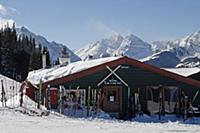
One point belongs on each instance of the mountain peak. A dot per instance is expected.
(195, 34)
(116, 37)
(132, 37)
(23, 29)
(53, 47)
(117, 44)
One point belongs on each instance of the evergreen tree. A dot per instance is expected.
(19, 55)
(35, 59)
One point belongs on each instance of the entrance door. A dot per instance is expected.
(112, 102)
(54, 98)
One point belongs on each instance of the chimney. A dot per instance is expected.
(89, 57)
(44, 61)
(64, 58)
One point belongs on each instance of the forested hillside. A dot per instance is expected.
(18, 55)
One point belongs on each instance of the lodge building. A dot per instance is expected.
(119, 86)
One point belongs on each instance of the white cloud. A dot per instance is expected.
(101, 28)
(5, 11)
(4, 22)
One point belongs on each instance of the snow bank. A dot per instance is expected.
(28, 103)
(29, 107)
(8, 85)
(12, 88)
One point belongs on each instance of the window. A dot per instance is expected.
(111, 96)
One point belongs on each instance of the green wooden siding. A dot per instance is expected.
(136, 78)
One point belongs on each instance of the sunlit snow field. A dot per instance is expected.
(16, 122)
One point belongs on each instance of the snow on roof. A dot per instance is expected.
(183, 71)
(153, 56)
(58, 72)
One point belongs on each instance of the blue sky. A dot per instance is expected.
(79, 22)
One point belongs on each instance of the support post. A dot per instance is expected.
(128, 91)
(2, 94)
(185, 108)
(11, 101)
(21, 95)
(160, 102)
(40, 94)
(139, 108)
(97, 101)
(60, 100)
(48, 98)
(88, 100)
(24, 93)
(163, 101)
(13, 95)
(93, 99)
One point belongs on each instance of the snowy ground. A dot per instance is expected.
(14, 121)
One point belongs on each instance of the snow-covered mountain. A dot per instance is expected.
(165, 59)
(190, 62)
(183, 47)
(53, 47)
(182, 52)
(187, 49)
(116, 45)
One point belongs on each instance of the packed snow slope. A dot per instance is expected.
(53, 47)
(116, 45)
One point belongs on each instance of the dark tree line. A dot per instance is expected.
(19, 55)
